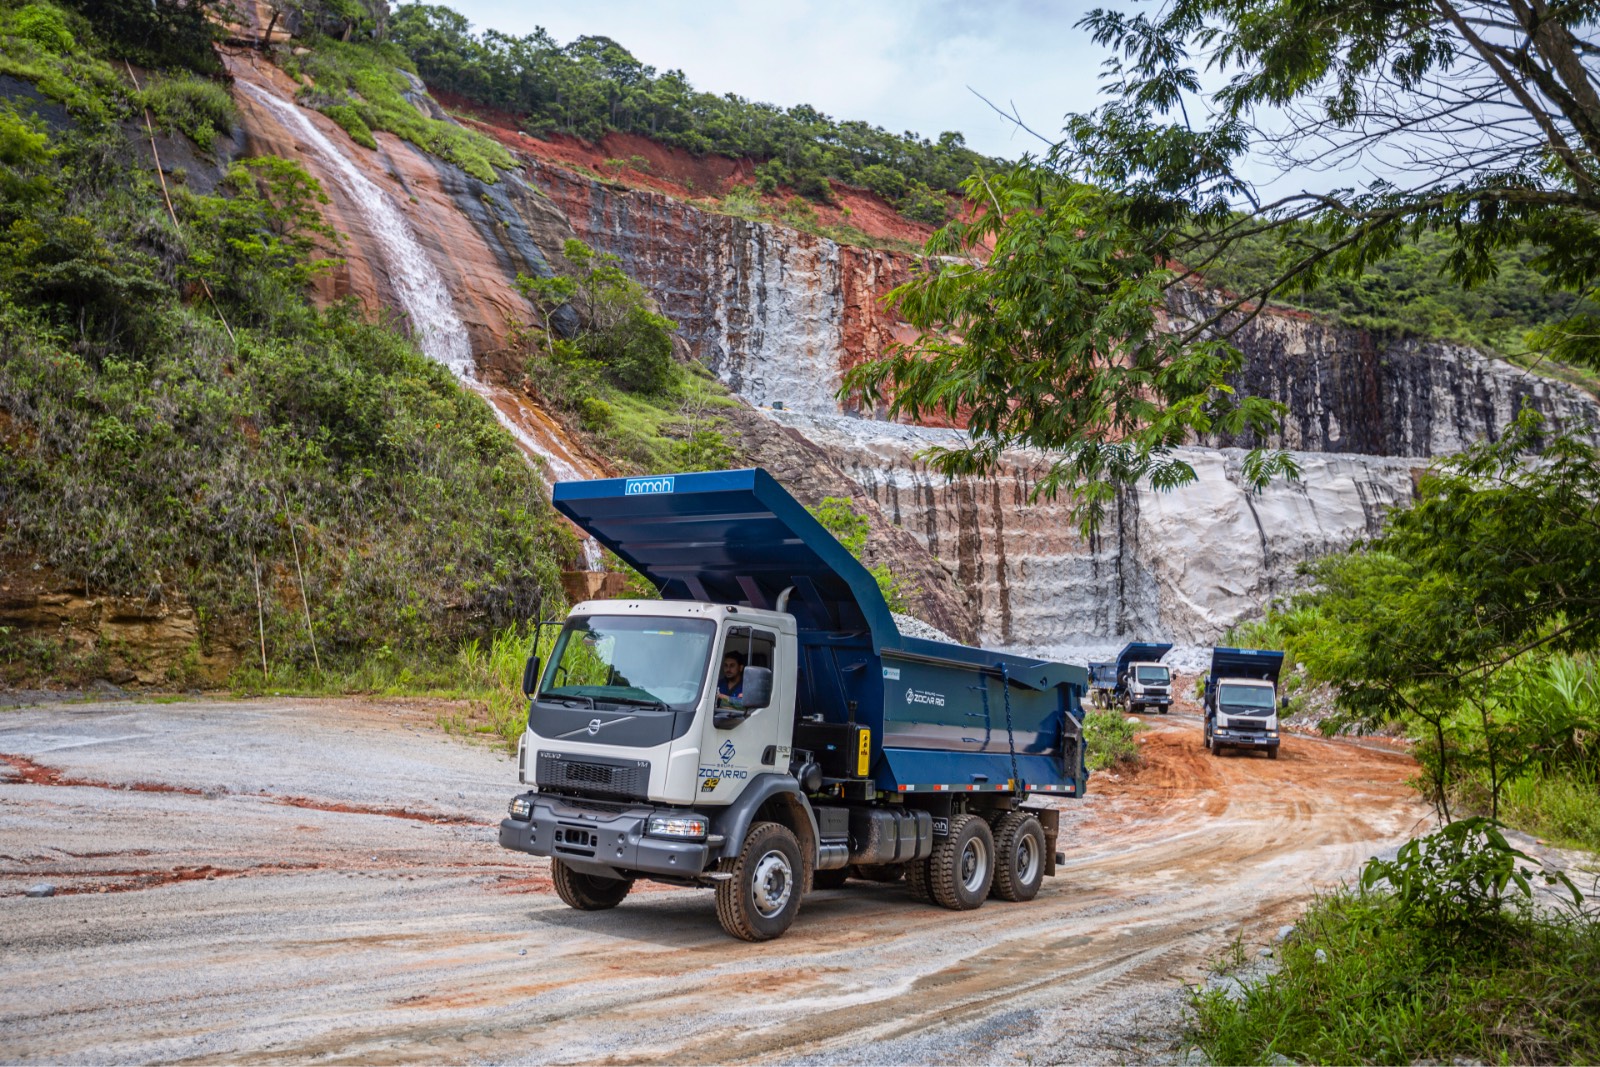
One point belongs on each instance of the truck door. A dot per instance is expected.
(743, 741)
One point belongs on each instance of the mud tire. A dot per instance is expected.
(881, 872)
(1272, 753)
(1019, 857)
(917, 881)
(587, 892)
(961, 869)
(833, 878)
(768, 866)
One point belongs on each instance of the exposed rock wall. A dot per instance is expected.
(1348, 391)
(1183, 565)
(776, 313)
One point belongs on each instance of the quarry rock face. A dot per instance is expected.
(779, 315)
(1182, 565)
(1349, 392)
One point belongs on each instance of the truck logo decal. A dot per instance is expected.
(726, 751)
(646, 486)
(594, 727)
(732, 774)
(709, 785)
(941, 827)
(922, 696)
(891, 674)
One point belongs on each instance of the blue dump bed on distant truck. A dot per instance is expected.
(764, 727)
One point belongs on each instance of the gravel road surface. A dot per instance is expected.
(296, 880)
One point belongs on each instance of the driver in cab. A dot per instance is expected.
(730, 687)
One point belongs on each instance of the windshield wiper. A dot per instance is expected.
(653, 702)
(567, 701)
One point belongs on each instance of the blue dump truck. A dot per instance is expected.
(1143, 681)
(1102, 683)
(1242, 700)
(764, 728)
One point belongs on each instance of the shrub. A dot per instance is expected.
(195, 107)
(1109, 739)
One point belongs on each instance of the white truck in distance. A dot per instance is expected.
(1143, 681)
(1241, 701)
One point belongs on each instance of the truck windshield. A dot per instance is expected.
(1152, 675)
(630, 660)
(1246, 696)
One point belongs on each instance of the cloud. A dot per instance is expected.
(904, 66)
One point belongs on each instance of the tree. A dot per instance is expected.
(1495, 562)
(1482, 118)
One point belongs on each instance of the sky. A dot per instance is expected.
(903, 65)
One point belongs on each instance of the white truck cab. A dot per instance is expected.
(1241, 701)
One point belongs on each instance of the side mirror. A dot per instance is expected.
(530, 675)
(1283, 702)
(757, 688)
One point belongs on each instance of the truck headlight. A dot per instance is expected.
(521, 808)
(692, 827)
(1222, 731)
(1272, 733)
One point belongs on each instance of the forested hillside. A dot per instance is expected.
(181, 428)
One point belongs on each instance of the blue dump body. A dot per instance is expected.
(1245, 663)
(943, 717)
(1102, 675)
(1140, 652)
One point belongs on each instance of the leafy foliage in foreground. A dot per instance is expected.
(1473, 619)
(1109, 739)
(177, 420)
(595, 85)
(1423, 963)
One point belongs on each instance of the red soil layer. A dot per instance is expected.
(681, 174)
(32, 773)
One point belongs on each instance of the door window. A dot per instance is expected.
(744, 647)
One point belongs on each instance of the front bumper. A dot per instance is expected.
(1243, 740)
(604, 839)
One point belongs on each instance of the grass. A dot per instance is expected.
(361, 87)
(1109, 737)
(1564, 809)
(196, 107)
(1385, 991)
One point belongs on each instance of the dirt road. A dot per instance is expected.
(303, 880)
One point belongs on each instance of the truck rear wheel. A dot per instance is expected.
(961, 868)
(762, 898)
(1019, 851)
(587, 892)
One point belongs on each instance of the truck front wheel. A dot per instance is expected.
(1019, 846)
(587, 892)
(1272, 753)
(762, 898)
(961, 868)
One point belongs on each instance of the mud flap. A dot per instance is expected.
(1050, 820)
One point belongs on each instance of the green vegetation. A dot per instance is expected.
(198, 108)
(1471, 620)
(1411, 294)
(1439, 956)
(606, 356)
(180, 425)
(839, 517)
(1109, 739)
(361, 87)
(594, 85)
(1052, 343)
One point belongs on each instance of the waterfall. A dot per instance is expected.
(437, 327)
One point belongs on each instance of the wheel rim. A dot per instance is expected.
(773, 883)
(974, 864)
(1027, 859)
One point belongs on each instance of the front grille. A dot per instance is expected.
(1259, 713)
(594, 775)
(1155, 692)
(1246, 727)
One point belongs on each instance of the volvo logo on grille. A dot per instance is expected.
(594, 727)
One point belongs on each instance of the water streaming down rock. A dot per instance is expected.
(1182, 565)
(419, 287)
